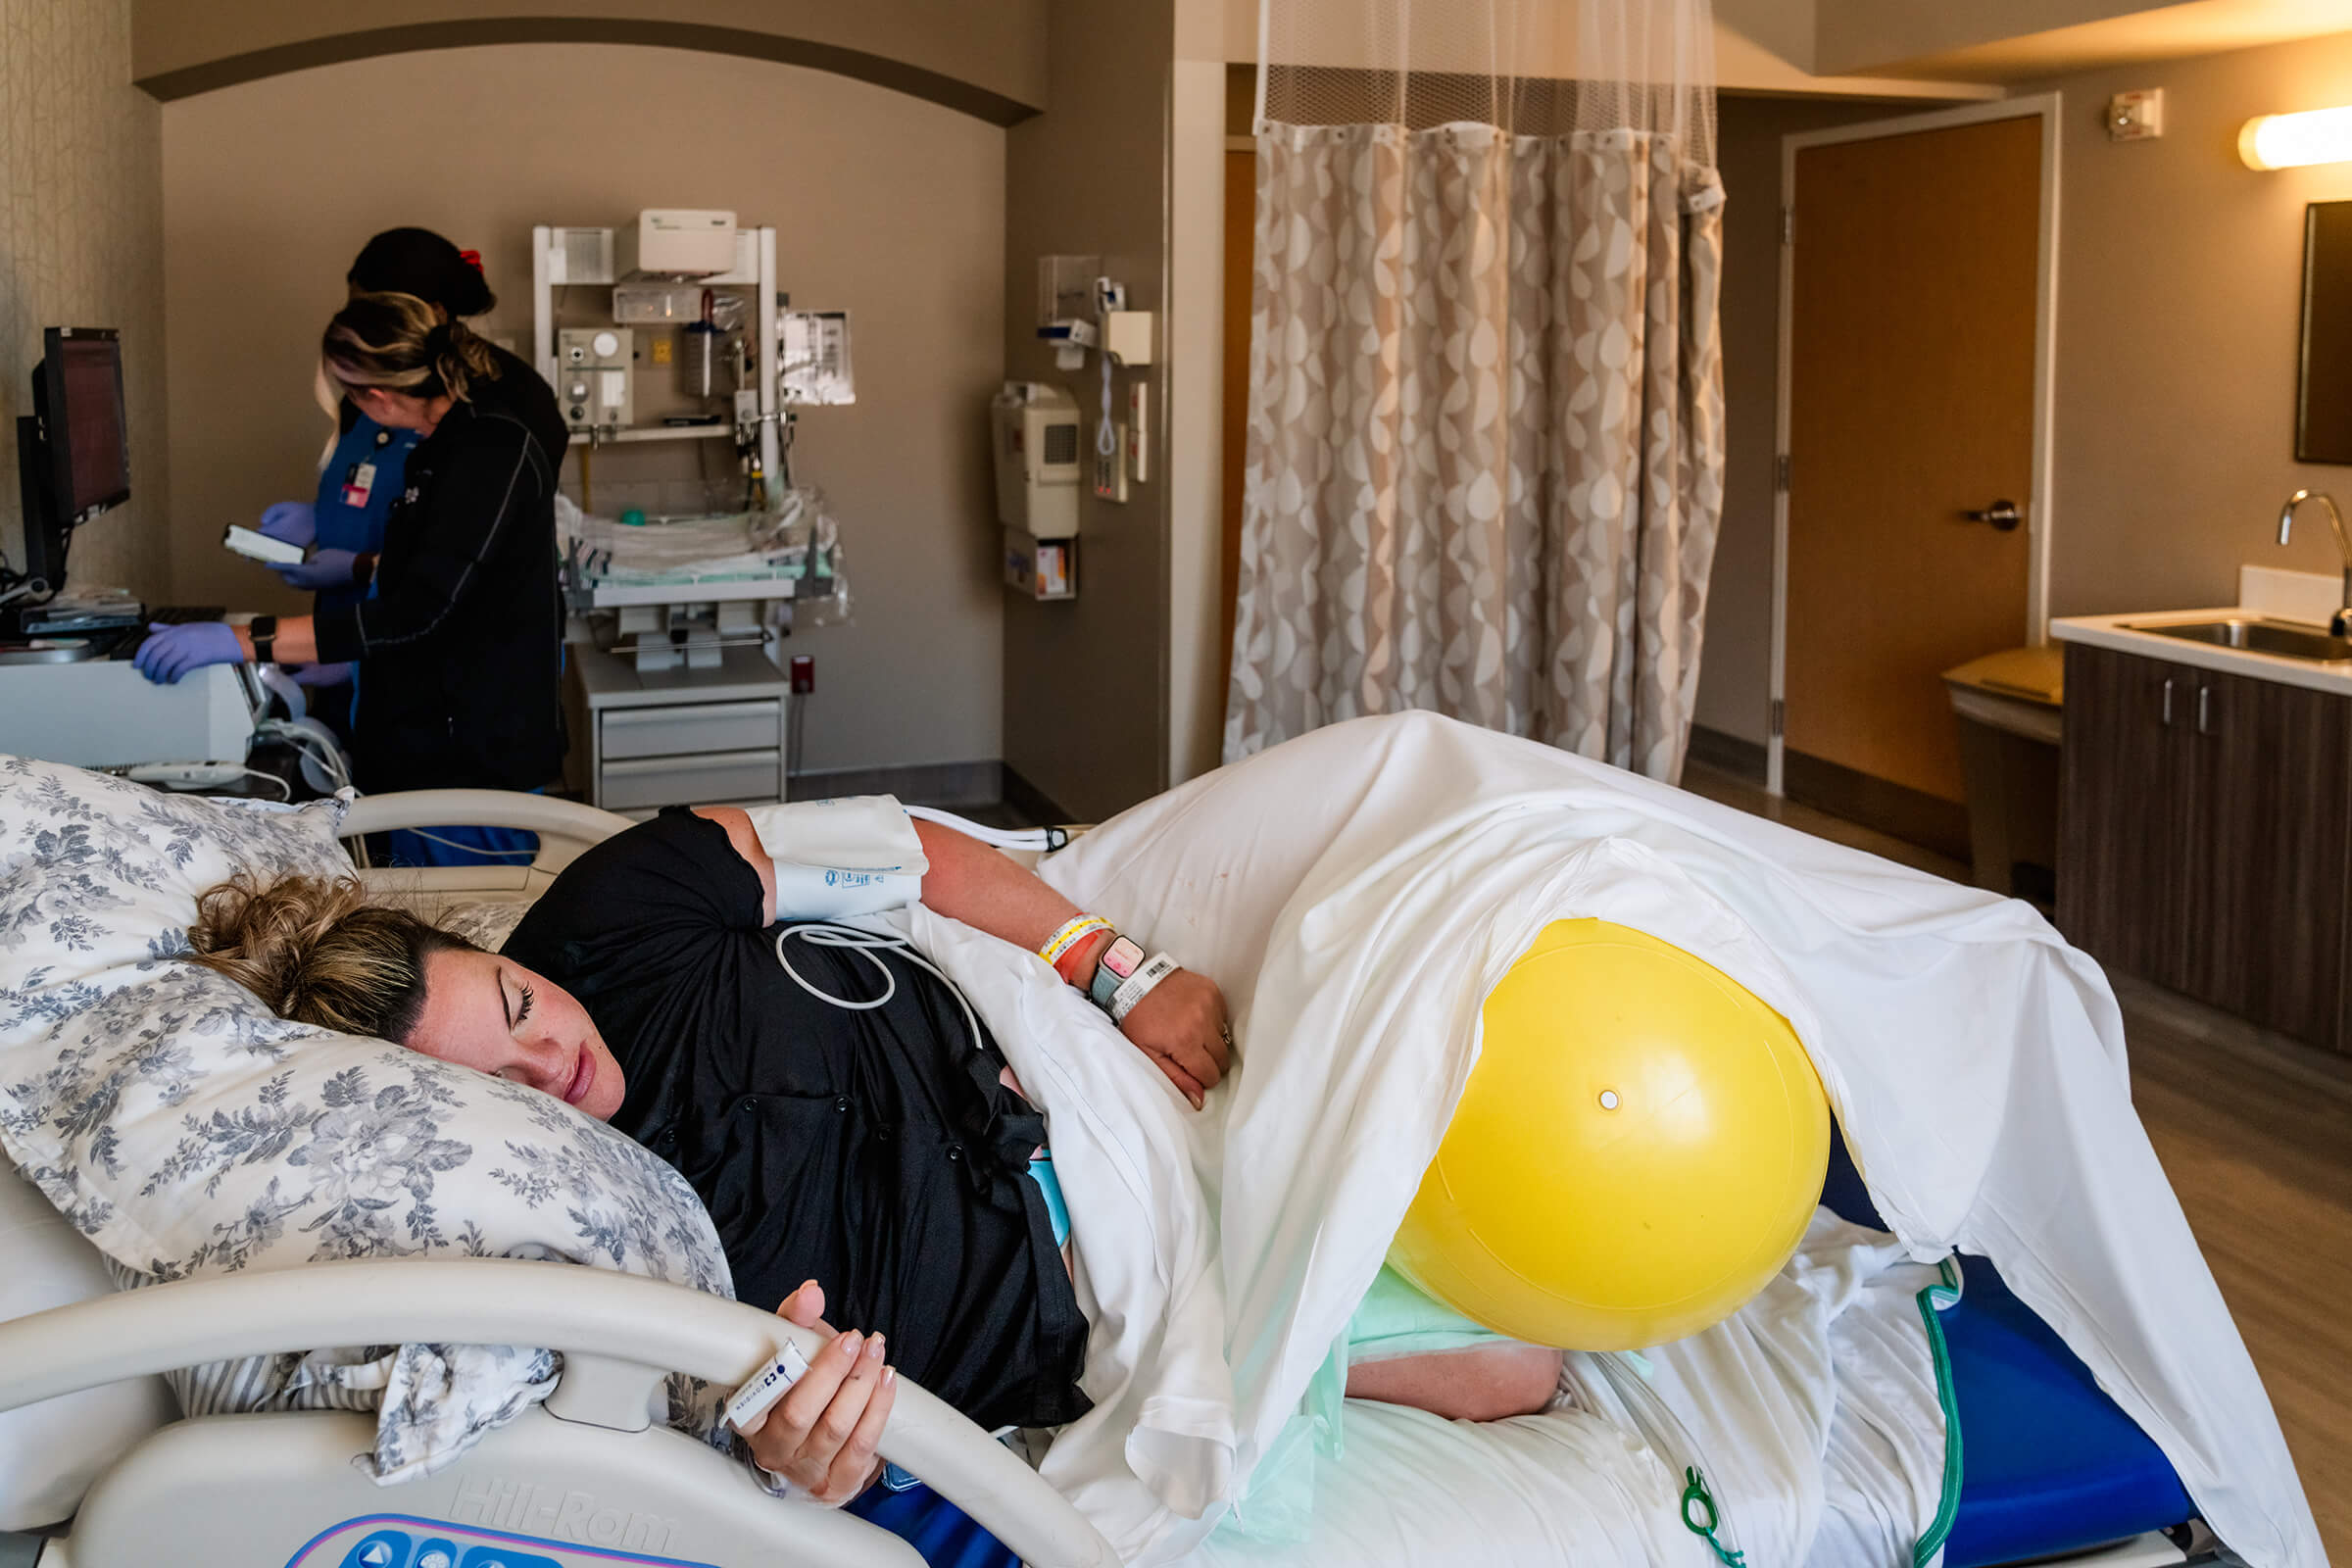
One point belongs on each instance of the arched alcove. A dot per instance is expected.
(987, 61)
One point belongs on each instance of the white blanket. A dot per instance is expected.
(1358, 891)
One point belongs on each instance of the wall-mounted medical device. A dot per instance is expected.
(595, 375)
(677, 244)
(580, 256)
(1037, 460)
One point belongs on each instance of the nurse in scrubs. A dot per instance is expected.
(361, 474)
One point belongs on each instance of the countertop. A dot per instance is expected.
(2264, 593)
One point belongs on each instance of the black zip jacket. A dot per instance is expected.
(461, 648)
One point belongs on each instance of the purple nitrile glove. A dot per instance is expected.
(172, 650)
(294, 521)
(326, 568)
(323, 675)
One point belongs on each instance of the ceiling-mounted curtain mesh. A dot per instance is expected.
(1485, 461)
(1539, 68)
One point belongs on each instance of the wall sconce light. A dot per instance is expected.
(2288, 141)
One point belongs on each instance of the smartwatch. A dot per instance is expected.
(264, 631)
(1118, 961)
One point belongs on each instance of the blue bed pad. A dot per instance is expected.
(2049, 1464)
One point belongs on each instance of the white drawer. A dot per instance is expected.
(695, 780)
(692, 728)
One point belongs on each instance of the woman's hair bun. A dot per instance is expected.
(420, 262)
(314, 949)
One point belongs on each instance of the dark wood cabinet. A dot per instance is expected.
(2205, 836)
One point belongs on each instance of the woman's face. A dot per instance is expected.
(493, 1015)
(398, 411)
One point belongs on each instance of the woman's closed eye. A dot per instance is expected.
(516, 1007)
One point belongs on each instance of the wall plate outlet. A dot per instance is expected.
(2136, 115)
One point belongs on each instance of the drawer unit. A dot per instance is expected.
(698, 779)
(692, 728)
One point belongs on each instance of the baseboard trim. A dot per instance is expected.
(1727, 753)
(1027, 798)
(976, 783)
(1913, 815)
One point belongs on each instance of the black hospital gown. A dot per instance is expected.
(873, 1151)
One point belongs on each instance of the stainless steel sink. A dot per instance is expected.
(2283, 638)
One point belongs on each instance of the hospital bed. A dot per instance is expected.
(2050, 1468)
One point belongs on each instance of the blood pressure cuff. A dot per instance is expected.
(836, 860)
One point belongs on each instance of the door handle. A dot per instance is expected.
(2168, 703)
(2002, 514)
(2204, 709)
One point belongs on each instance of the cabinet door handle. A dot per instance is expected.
(2168, 703)
(2204, 709)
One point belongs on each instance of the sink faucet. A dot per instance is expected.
(2341, 625)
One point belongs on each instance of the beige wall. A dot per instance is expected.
(987, 58)
(2179, 278)
(2001, 40)
(1734, 672)
(1085, 681)
(81, 245)
(2179, 306)
(887, 205)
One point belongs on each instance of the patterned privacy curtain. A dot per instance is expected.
(1485, 464)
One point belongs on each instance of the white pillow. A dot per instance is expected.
(186, 1130)
(51, 1451)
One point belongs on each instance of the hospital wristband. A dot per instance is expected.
(1073, 932)
(1138, 985)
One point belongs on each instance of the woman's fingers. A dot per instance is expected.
(1186, 1084)
(812, 1438)
(1181, 1025)
(806, 1306)
(852, 1469)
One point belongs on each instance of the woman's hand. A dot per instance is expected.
(1180, 1024)
(171, 651)
(326, 568)
(294, 521)
(822, 1434)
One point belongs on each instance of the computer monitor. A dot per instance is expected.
(72, 458)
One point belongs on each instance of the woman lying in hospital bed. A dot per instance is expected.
(856, 1136)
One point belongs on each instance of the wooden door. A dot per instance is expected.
(1911, 401)
(2270, 850)
(2124, 810)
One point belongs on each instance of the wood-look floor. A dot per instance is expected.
(2256, 1134)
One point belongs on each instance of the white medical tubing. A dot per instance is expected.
(1045, 839)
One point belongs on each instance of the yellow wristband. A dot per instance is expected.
(1072, 933)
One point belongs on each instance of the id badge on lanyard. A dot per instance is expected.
(359, 482)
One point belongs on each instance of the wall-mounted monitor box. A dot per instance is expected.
(1038, 461)
(677, 244)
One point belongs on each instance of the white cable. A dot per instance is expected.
(328, 755)
(998, 837)
(1106, 439)
(285, 790)
(824, 934)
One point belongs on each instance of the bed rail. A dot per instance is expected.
(619, 1335)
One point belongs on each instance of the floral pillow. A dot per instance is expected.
(187, 1130)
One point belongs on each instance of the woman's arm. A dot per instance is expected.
(1180, 1024)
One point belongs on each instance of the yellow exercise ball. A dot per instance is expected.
(1638, 1149)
